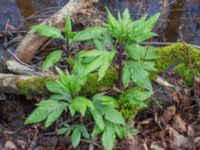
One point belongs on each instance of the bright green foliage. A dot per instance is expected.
(187, 72)
(117, 50)
(80, 104)
(139, 73)
(138, 52)
(129, 111)
(90, 61)
(48, 110)
(136, 96)
(48, 31)
(76, 132)
(51, 59)
(88, 34)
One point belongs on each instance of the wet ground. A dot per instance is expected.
(180, 19)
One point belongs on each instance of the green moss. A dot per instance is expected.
(129, 111)
(187, 73)
(33, 86)
(176, 54)
(92, 86)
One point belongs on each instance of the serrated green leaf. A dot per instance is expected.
(137, 96)
(114, 25)
(49, 110)
(141, 36)
(108, 138)
(150, 23)
(72, 110)
(114, 116)
(53, 87)
(95, 131)
(63, 130)
(106, 100)
(76, 137)
(51, 60)
(84, 131)
(99, 45)
(142, 29)
(126, 16)
(119, 130)
(126, 76)
(138, 52)
(89, 33)
(94, 60)
(37, 115)
(139, 75)
(56, 112)
(80, 104)
(105, 65)
(98, 118)
(68, 27)
(64, 96)
(48, 31)
(149, 65)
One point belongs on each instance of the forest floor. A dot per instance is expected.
(171, 122)
(173, 126)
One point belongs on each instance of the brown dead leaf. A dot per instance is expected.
(146, 121)
(168, 115)
(190, 131)
(179, 124)
(22, 144)
(177, 97)
(156, 146)
(134, 143)
(10, 145)
(178, 141)
(197, 142)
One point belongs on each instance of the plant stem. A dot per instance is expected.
(120, 65)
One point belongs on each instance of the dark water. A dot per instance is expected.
(180, 19)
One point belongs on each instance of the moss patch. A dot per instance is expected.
(129, 111)
(33, 87)
(92, 86)
(176, 55)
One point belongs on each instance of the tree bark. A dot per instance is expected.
(32, 41)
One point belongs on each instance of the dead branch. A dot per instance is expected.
(17, 68)
(8, 82)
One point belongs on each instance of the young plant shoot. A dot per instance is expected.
(117, 46)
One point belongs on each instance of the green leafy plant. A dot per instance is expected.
(117, 47)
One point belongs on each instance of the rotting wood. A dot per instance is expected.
(17, 68)
(8, 82)
(32, 41)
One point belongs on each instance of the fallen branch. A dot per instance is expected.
(32, 41)
(15, 67)
(8, 82)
